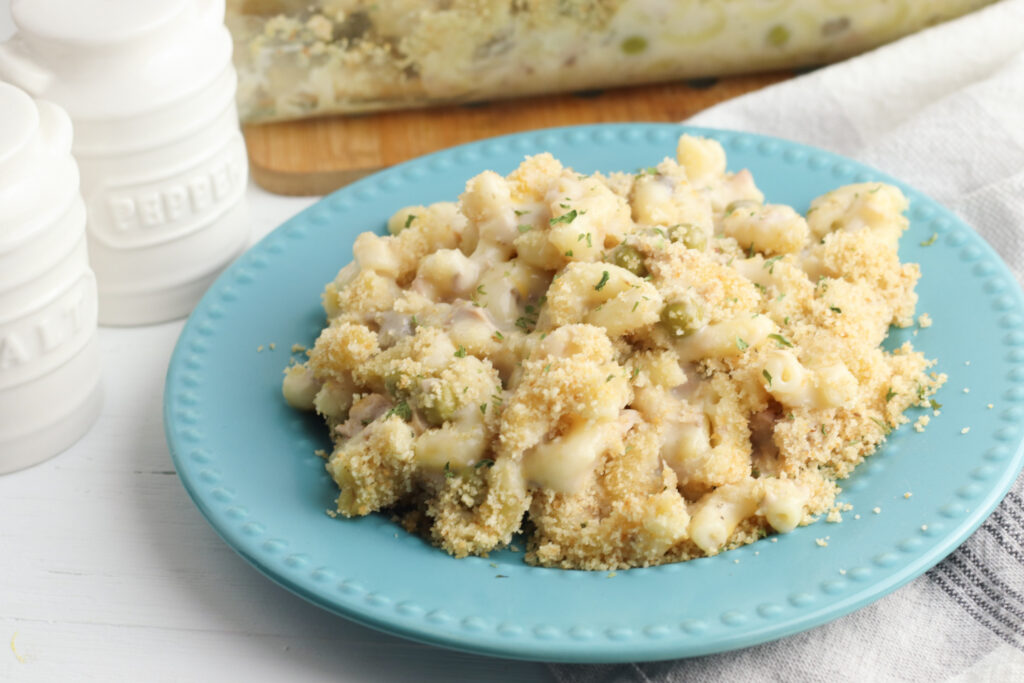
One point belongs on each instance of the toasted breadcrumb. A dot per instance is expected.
(631, 369)
(835, 513)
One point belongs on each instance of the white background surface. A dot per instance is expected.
(109, 573)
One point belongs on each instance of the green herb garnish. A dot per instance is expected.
(401, 409)
(567, 217)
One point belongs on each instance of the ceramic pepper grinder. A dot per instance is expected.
(150, 89)
(49, 359)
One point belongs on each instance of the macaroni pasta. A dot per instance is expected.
(634, 368)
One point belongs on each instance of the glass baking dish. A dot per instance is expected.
(299, 58)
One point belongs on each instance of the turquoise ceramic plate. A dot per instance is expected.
(247, 460)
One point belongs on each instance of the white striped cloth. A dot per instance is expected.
(944, 111)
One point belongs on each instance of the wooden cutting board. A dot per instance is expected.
(316, 156)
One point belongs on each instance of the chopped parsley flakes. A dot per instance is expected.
(567, 217)
(402, 410)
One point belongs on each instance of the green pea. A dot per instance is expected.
(626, 256)
(778, 35)
(438, 409)
(392, 384)
(681, 318)
(634, 45)
(689, 235)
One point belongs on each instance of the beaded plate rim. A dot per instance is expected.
(200, 469)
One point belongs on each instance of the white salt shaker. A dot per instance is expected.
(49, 358)
(150, 89)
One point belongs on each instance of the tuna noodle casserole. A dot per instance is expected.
(631, 369)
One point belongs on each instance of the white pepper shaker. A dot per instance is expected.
(150, 89)
(49, 358)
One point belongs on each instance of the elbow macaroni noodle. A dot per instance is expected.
(648, 367)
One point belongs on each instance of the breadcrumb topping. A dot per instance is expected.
(629, 369)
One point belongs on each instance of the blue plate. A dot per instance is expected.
(247, 459)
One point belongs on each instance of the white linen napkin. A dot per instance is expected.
(944, 111)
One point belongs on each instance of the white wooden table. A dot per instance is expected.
(109, 573)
